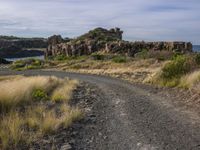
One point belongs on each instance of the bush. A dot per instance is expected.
(39, 94)
(160, 55)
(60, 57)
(27, 64)
(98, 56)
(143, 54)
(119, 59)
(175, 55)
(197, 58)
(176, 68)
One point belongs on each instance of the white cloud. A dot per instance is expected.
(140, 19)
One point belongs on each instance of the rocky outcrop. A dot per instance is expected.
(7, 41)
(109, 41)
(14, 47)
(3, 61)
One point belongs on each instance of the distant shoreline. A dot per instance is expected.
(196, 48)
(22, 54)
(41, 57)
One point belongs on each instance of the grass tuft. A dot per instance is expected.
(25, 114)
(64, 92)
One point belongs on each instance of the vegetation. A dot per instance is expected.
(180, 71)
(197, 58)
(176, 68)
(143, 54)
(163, 68)
(27, 64)
(61, 57)
(98, 34)
(97, 56)
(25, 114)
(158, 55)
(119, 59)
(39, 94)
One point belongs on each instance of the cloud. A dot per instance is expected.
(140, 19)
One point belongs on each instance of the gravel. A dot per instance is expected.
(120, 116)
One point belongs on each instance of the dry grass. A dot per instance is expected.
(134, 70)
(47, 121)
(3, 78)
(36, 119)
(14, 92)
(191, 80)
(11, 132)
(64, 92)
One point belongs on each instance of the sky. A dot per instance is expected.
(148, 20)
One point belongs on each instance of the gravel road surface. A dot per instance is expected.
(132, 117)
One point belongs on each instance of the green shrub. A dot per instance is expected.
(176, 54)
(27, 64)
(98, 56)
(160, 55)
(143, 54)
(197, 58)
(60, 57)
(119, 59)
(39, 94)
(76, 66)
(36, 62)
(176, 68)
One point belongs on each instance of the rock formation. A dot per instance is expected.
(3, 61)
(6, 42)
(13, 46)
(109, 41)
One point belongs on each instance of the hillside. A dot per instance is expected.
(11, 46)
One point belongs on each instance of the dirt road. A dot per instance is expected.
(132, 117)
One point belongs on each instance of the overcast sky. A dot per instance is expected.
(149, 20)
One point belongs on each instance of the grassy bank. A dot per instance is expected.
(26, 64)
(31, 107)
(133, 69)
(163, 68)
(182, 71)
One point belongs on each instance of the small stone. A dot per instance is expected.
(66, 147)
(100, 134)
(105, 137)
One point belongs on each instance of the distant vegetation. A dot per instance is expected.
(29, 108)
(27, 64)
(3, 37)
(98, 34)
(119, 59)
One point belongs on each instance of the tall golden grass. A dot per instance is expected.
(64, 91)
(36, 119)
(191, 81)
(14, 92)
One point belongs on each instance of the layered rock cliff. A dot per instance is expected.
(7, 41)
(109, 41)
(13, 46)
(3, 61)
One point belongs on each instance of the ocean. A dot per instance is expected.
(196, 48)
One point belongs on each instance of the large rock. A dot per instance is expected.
(109, 41)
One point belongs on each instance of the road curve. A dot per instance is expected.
(136, 119)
